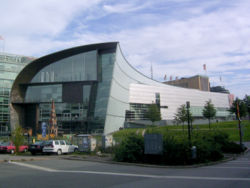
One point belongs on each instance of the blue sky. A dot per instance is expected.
(176, 36)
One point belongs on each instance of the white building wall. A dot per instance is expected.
(174, 97)
(130, 86)
(123, 75)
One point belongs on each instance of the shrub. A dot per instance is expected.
(207, 151)
(232, 147)
(176, 151)
(209, 145)
(131, 149)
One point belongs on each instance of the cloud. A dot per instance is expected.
(177, 36)
(121, 8)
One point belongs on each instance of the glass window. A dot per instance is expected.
(62, 142)
(86, 94)
(44, 93)
(80, 67)
(56, 142)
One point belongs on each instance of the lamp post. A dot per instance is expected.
(239, 121)
(188, 117)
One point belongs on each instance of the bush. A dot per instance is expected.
(207, 151)
(210, 146)
(176, 151)
(232, 147)
(131, 149)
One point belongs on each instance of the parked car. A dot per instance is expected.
(59, 147)
(9, 147)
(37, 147)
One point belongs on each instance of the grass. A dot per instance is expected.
(230, 127)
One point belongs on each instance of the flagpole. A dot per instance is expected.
(1, 38)
(151, 69)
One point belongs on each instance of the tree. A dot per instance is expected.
(181, 115)
(209, 111)
(247, 104)
(17, 138)
(153, 113)
(242, 108)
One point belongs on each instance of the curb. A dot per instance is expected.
(151, 165)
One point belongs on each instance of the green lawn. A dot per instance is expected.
(231, 128)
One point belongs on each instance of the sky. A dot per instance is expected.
(176, 36)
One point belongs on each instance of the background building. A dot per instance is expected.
(95, 90)
(195, 82)
(10, 66)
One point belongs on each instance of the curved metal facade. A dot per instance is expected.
(100, 102)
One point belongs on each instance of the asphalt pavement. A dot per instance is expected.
(54, 171)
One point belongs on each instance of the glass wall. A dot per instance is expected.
(80, 67)
(103, 90)
(80, 100)
(10, 66)
(44, 93)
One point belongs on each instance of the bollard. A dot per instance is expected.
(194, 152)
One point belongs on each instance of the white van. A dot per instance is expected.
(59, 147)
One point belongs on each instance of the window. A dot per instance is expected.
(62, 142)
(44, 93)
(157, 99)
(80, 67)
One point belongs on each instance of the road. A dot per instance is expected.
(57, 172)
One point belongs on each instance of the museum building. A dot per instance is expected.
(95, 90)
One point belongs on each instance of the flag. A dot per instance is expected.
(1, 38)
(176, 77)
(171, 78)
(165, 77)
(204, 67)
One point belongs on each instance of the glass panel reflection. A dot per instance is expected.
(80, 67)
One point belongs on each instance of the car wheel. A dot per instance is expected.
(25, 150)
(75, 150)
(12, 151)
(59, 152)
(33, 153)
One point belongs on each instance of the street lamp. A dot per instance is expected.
(188, 117)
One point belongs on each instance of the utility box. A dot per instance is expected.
(85, 142)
